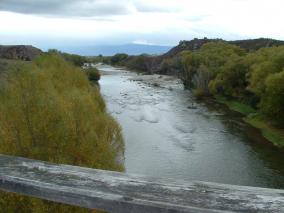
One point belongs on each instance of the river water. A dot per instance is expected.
(169, 134)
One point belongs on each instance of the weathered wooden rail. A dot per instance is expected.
(119, 192)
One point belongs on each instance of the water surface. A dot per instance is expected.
(168, 134)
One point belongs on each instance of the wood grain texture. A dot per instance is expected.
(120, 192)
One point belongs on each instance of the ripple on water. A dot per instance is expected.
(185, 128)
(147, 114)
(133, 107)
(186, 143)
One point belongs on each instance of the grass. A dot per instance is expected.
(272, 134)
(11, 61)
(236, 105)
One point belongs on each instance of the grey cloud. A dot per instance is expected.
(85, 8)
(81, 8)
(148, 8)
(196, 18)
(142, 6)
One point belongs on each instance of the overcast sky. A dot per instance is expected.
(48, 23)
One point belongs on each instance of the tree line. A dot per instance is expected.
(256, 78)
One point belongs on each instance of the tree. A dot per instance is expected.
(201, 80)
(272, 102)
(231, 80)
(213, 56)
(118, 58)
(259, 74)
(190, 63)
(49, 111)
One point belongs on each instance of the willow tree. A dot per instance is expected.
(272, 102)
(49, 111)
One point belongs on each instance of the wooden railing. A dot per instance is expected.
(120, 192)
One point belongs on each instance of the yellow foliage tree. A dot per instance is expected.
(49, 111)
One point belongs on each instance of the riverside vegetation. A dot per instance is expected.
(50, 111)
(249, 80)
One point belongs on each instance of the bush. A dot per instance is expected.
(93, 74)
(199, 94)
(76, 60)
(49, 111)
(118, 58)
(138, 63)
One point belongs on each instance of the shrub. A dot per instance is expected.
(49, 111)
(76, 60)
(199, 94)
(118, 58)
(93, 74)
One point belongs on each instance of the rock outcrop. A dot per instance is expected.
(19, 52)
(249, 45)
(191, 45)
(255, 44)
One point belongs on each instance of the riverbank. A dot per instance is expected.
(272, 134)
(168, 133)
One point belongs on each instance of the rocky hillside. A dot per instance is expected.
(19, 52)
(249, 45)
(255, 44)
(191, 45)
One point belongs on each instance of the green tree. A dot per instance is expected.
(118, 58)
(190, 63)
(272, 102)
(259, 74)
(213, 56)
(231, 80)
(139, 63)
(201, 81)
(216, 54)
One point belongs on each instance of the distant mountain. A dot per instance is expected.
(21, 52)
(109, 50)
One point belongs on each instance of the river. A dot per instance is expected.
(169, 134)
